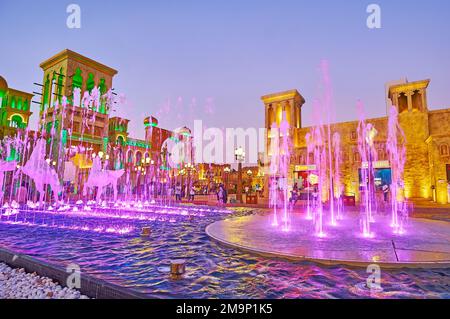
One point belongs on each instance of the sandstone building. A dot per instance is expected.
(427, 168)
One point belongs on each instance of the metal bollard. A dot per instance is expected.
(177, 267)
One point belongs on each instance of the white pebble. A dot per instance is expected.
(17, 284)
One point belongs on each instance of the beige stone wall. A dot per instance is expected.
(440, 137)
(349, 147)
(439, 122)
(416, 177)
(438, 171)
(424, 165)
(425, 132)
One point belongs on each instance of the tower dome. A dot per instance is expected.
(151, 121)
(183, 131)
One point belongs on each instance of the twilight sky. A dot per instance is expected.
(213, 60)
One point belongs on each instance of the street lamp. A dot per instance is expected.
(227, 171)
(189, 168)
(239, 154)
(249, 174)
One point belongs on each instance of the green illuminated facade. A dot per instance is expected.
(14, 109)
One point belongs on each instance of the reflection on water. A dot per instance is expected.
(213, 271)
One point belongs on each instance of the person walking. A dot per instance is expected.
(192, 193)
(220, 195)
(225, 194)
(178, 192)
(385, 189)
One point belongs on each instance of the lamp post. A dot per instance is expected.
(146, 164)
(249, 174)
(188, 167)
(239, 154)
(227, 171)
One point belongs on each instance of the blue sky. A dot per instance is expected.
(215, 59)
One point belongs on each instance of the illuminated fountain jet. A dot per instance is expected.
(5, 167)
(366, 148)
(395, 146)
(40, 171)
(100, 178)
(279, 167)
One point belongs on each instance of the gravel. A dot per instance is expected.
(17, 284)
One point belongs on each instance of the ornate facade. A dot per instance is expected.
(14, 109)
(427, 168)
(76, 101)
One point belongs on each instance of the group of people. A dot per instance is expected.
(295, 194)
(180, 192)
(222, 195)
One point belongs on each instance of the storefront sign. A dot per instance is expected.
(304, 168)
(377, 164)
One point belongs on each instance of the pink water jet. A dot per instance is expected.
(395, 146)
(280, 149)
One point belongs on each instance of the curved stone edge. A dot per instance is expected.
(325, 262)
(90, 286)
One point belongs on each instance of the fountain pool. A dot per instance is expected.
(213, 270)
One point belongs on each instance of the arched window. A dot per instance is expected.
(402, 103)
(118, 164)
(3, 99)
(16, 121)
(54, 90)
(25, 105)
(19, 103)
(13, 102)
(90, 83)
(130, 157)
(120, 140)
(138, 158)
(77, 80)
(60, 84)
(102, 88)
(46, 92)
(356, 157)
(443, 150)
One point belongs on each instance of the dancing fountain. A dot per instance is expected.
(100, 178)
(279, 169)
(322, 229)
(40, 171)
(325, 148)
(395, 146)
(368, 154)
(33, 167)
